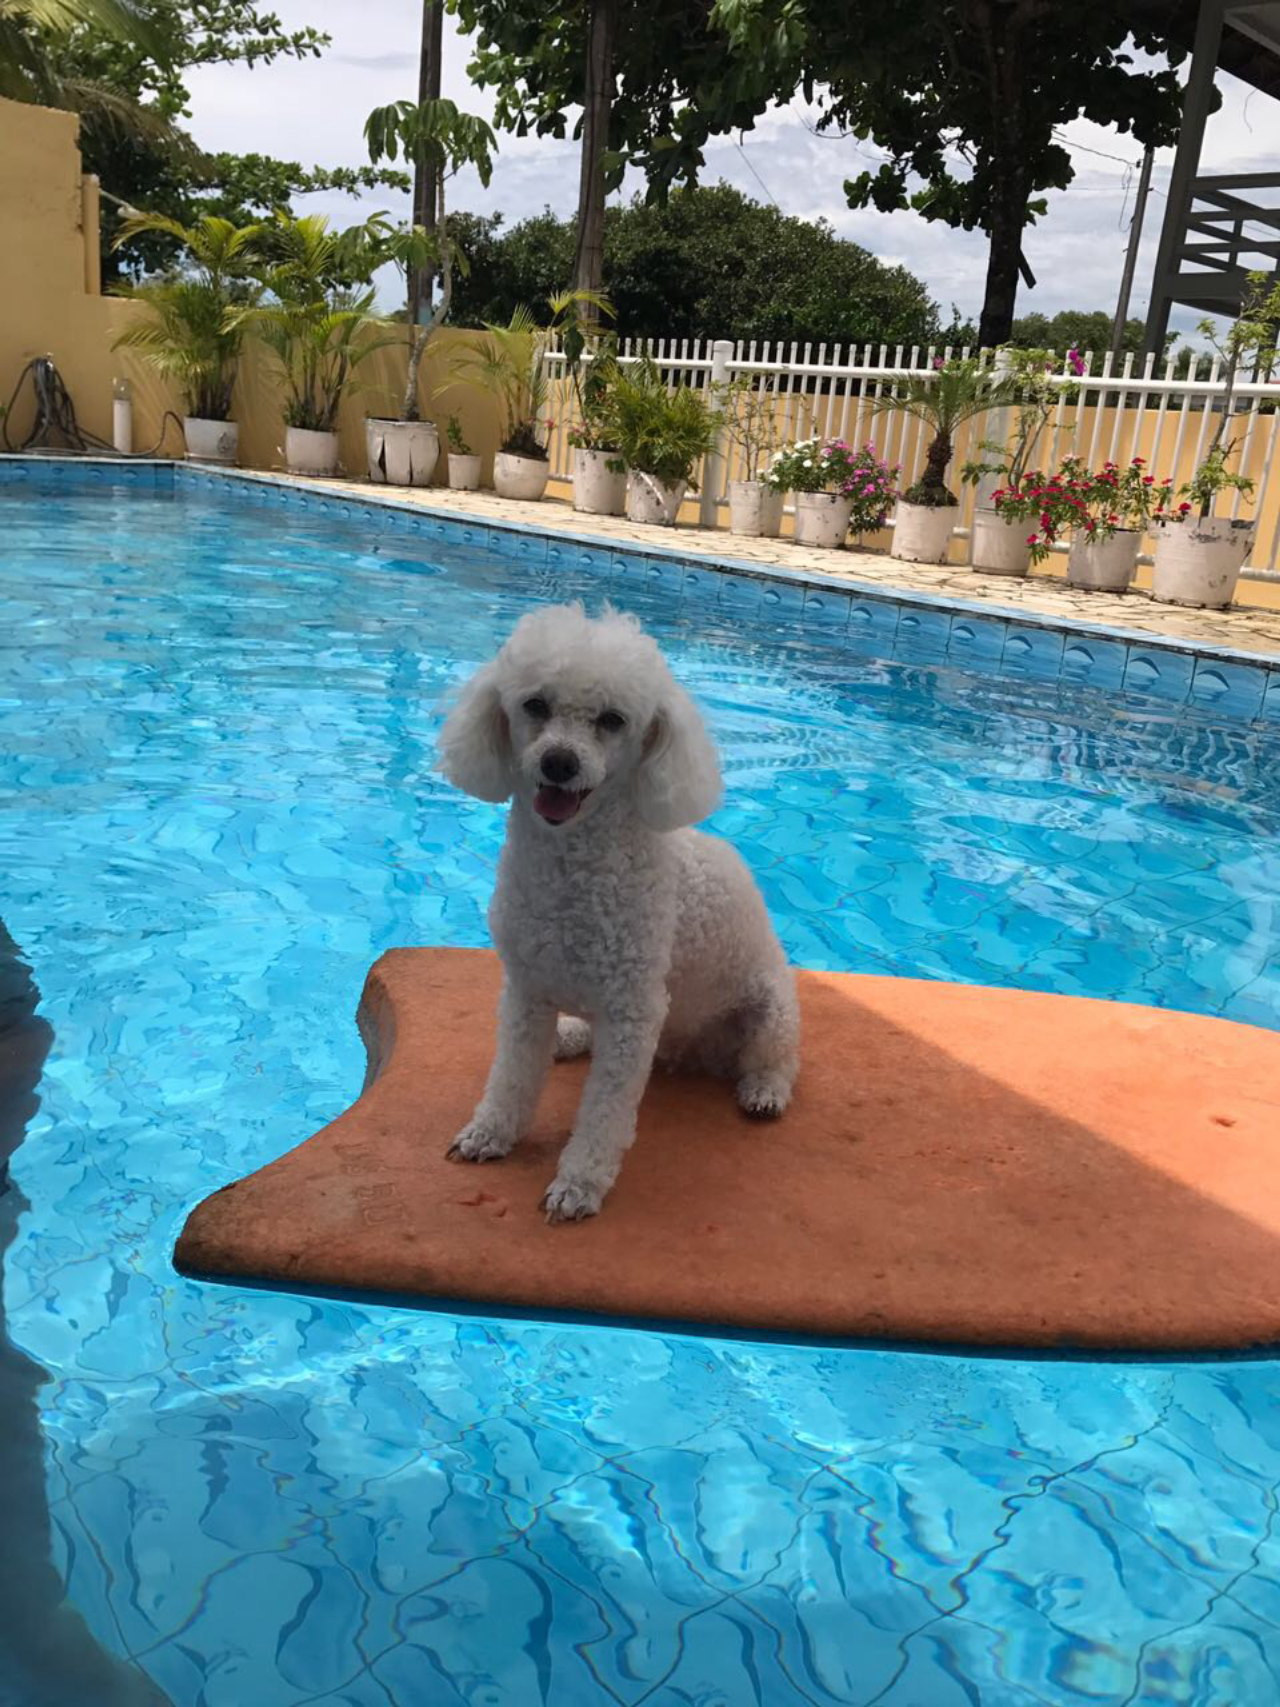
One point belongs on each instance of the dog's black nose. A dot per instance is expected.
(559, 765)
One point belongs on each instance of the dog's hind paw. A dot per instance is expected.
(764, 1096)
(480, 1143)
(572, 1200)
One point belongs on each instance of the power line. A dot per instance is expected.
(759, 180)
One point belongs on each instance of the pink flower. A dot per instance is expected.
(938, 362)
(1031, 538)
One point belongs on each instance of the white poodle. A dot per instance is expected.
(651, 939)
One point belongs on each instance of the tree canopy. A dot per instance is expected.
(709, 262)
(134, 102)
(964, 99)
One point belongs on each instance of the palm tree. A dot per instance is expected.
(943, 401)
(193, 333)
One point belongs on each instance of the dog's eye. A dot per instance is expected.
(612, 721)
(537, 708)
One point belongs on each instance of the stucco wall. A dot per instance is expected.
(46, 256)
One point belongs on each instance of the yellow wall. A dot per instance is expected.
(48, 250)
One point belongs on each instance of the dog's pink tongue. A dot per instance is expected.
(556, 805)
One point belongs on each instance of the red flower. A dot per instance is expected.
(1183, 508)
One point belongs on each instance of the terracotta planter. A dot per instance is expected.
(520, 476)
(1198, 562)
(922, 532)
(464, 472)
(598, 490)
(401, 453)
(999, 547)
(822, 518)
(652, 500)
(1104, 565)
(754, 509)
(211, 441)
(306, 452)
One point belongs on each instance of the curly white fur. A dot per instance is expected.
(621, 931)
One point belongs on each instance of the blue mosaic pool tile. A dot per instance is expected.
(740, 594)
(1159, 674)
(663, 574)
(1092, 662)
(700, 583)
(522, 547)
(593, 560)
(826, 607)
(976, 640)
(923, 633)
(873, 623)
(1035, 654)
(781, 598)
(1236, 689)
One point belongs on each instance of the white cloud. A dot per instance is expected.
(314, 111)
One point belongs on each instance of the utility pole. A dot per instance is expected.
(1131, 255)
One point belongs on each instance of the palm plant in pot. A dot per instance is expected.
(663, 435)
(1199, 555)
(320, 325)
(404, 449)
(511, 364)
(1001, 544)
(599, 473)
(188, 333)
(942, 401)
(749, 408)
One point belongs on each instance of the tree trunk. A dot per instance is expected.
(421, 329)
(935, 463)
(426, 188)
(1008, 220)
(588, 265)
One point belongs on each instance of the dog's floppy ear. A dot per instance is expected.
(475, 743)
(678, 781)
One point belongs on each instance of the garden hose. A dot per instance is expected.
(55, 418)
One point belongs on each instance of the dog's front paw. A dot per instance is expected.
(572, 1200)
(764, 1096)
(480, 1142)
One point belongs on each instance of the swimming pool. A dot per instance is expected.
(217, 808)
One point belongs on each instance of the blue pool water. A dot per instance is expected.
(216, 807)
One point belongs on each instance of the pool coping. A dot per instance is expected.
(1240, 684)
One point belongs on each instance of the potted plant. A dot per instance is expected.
(1107, 513)
(599, 473)
(1199, 556)
(319, 325)
(836, 488)
(749, 408)
(403, 450)
(662, 435)
(188, 335)
(1000, 544)
(942, 401)
(464, 464)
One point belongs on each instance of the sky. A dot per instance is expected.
(314, 111)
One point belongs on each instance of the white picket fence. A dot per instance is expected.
(1112, 414)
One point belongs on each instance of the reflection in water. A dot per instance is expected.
(47, 1657)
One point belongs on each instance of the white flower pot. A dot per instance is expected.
(754, 509)
(464, 472)
(306, 452)
(922, 532)
(822, 518)
(1000, 547)
(1104, 565)
(520, 476)
(598, 490)
(211, 441)
(652, 500)
(401, 453)
(1198, 562)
